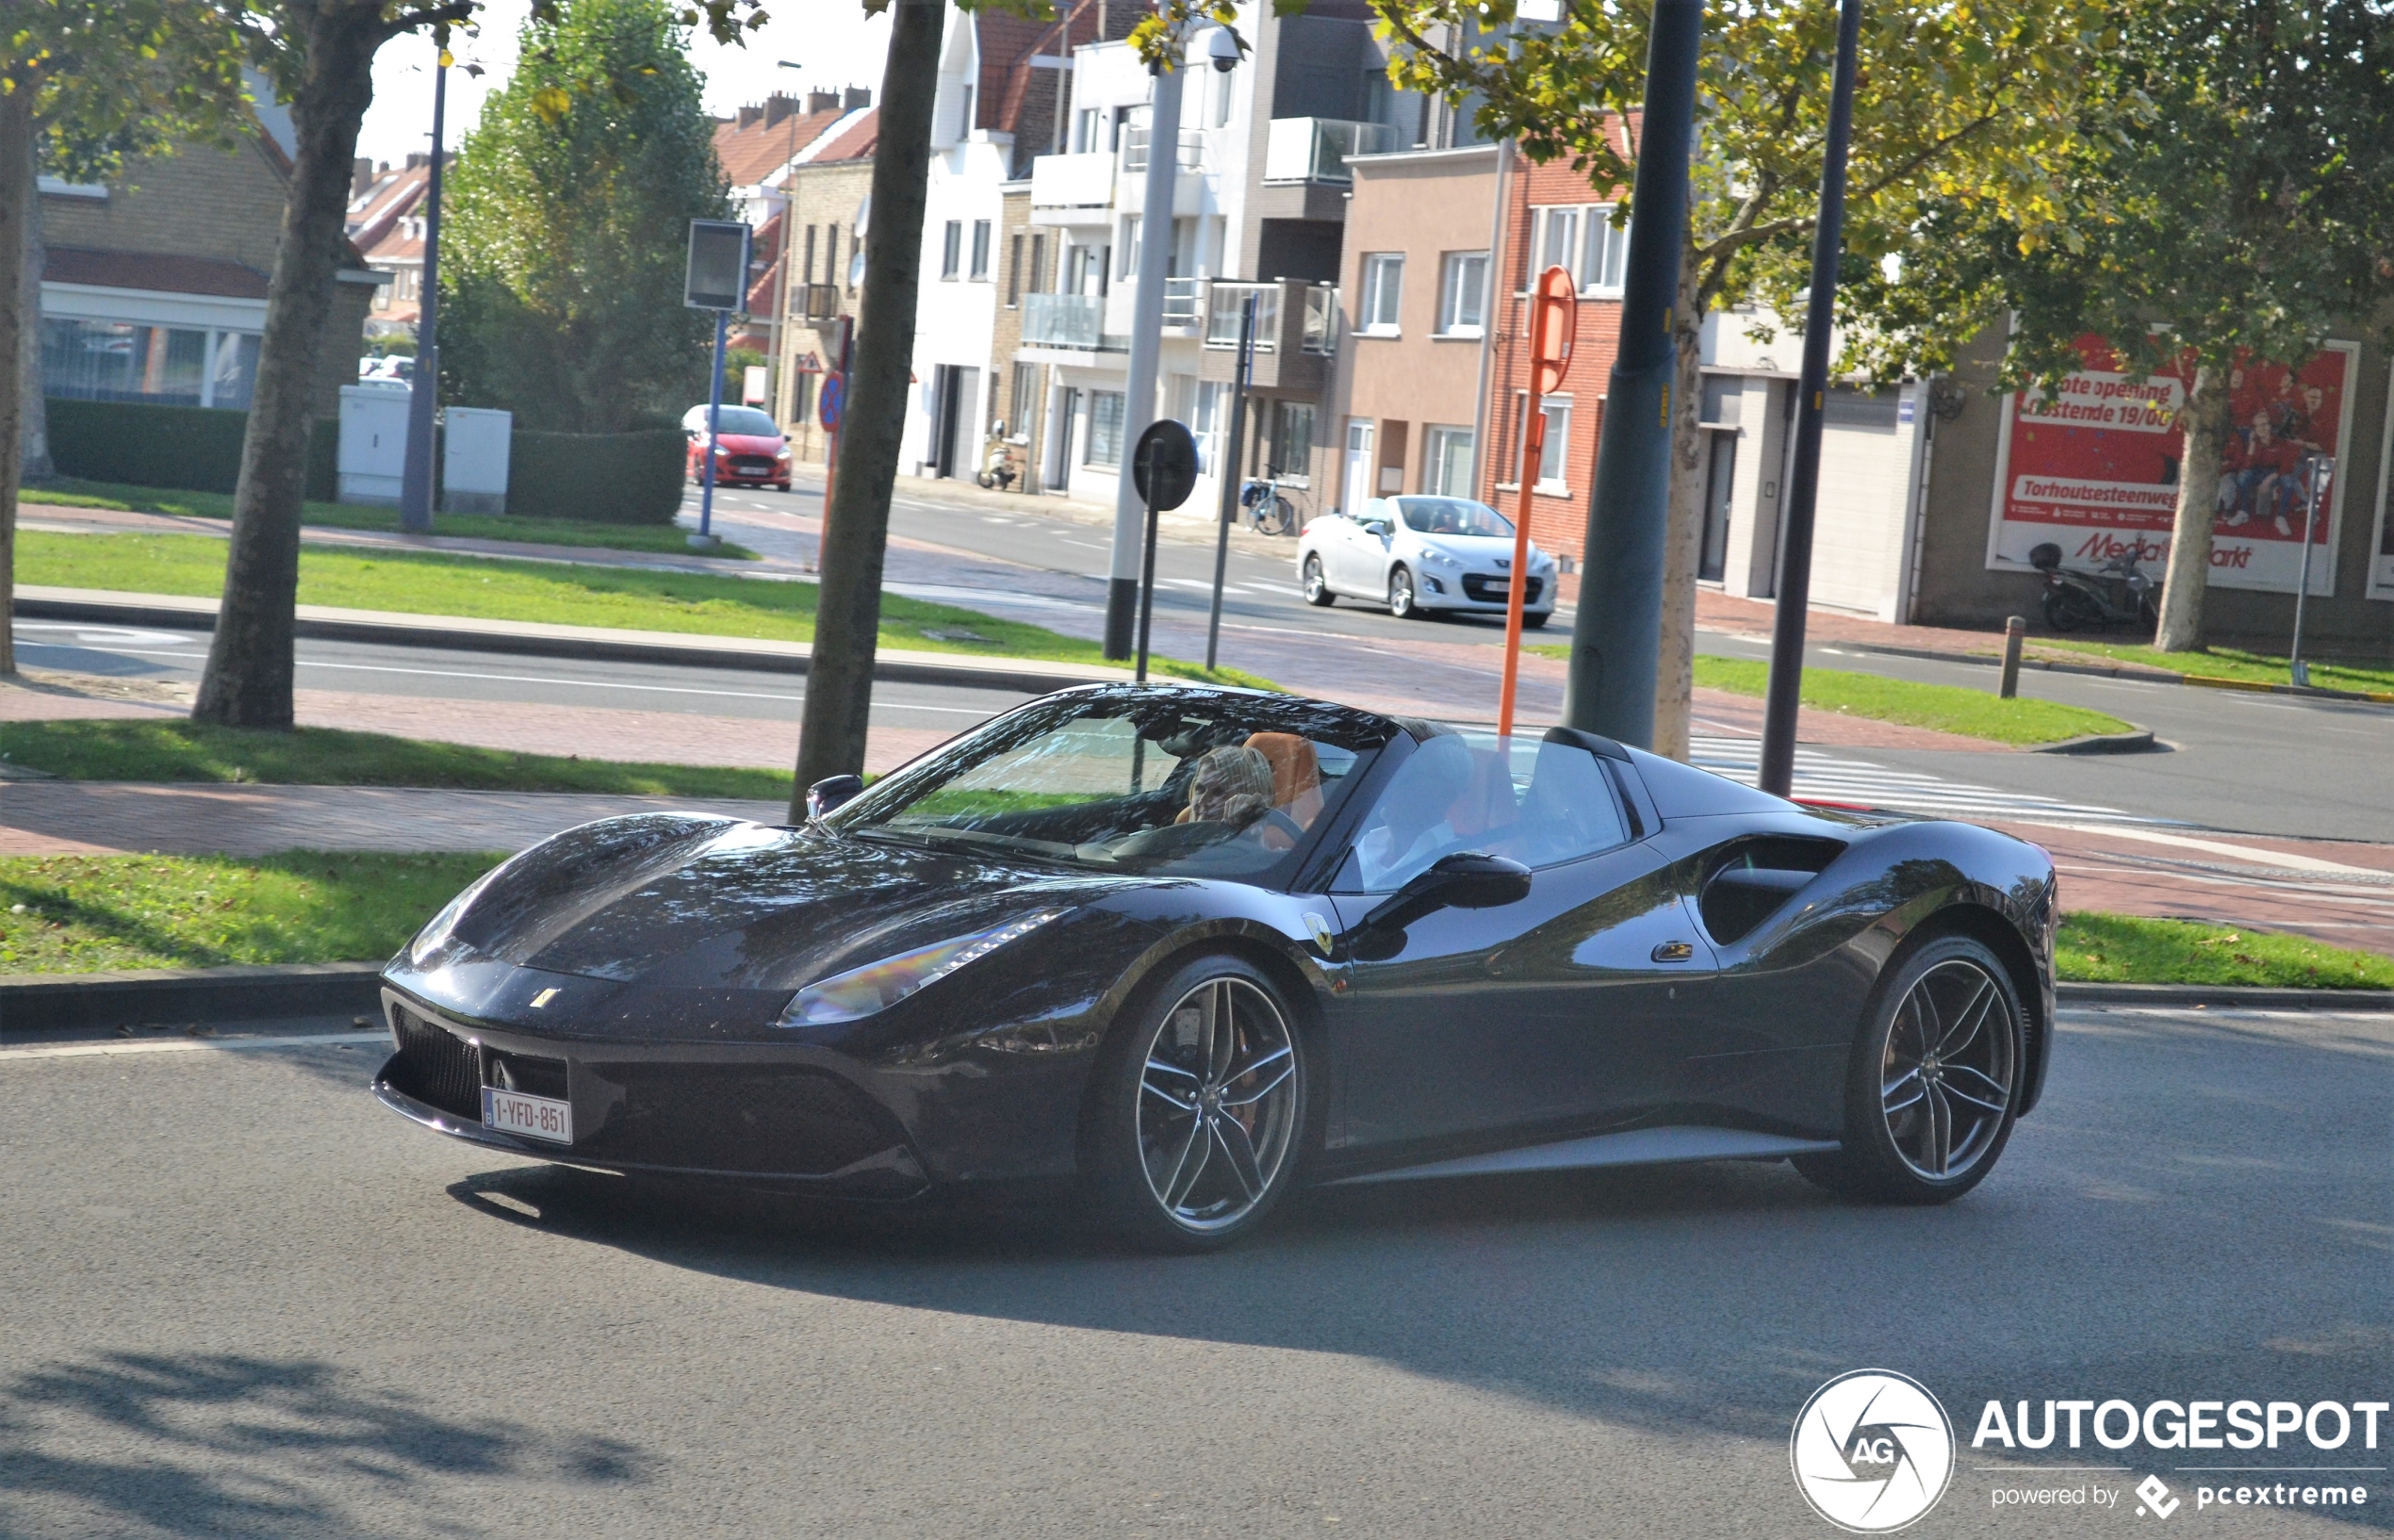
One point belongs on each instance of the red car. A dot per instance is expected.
(750, 452)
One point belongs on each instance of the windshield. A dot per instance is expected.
(1176, 782)
(743, 419)
(1453, 515)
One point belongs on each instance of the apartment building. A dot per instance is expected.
(829, 192)
(759, 149)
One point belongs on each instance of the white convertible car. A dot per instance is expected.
(1422, 555)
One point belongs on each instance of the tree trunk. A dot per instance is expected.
(17, 197)
(2207, 434)
(1675, 666)
(248, 682)
(35, 437)
(856, 527)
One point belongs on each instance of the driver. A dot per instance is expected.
(1230, 785)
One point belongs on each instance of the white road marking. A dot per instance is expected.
(2251, 855)
(183, 1045)
(1830, 779)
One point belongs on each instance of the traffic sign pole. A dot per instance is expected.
(1163, 472)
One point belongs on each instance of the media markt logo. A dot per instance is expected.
(1872, 1450)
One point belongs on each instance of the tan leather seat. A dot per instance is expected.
(1296, 773)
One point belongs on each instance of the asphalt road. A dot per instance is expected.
(445, 674)
(245, 1301)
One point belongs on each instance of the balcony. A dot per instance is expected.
(1082, 181)
(1184, 306)
(815, 302)
(1192, 150)
(1075, 322)
(1316, 149)
(1322, 320)
(1227, 303)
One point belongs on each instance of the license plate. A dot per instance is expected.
(536, 1117)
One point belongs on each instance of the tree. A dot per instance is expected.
(83, 87)
(1960, 102)
(320, 55)
(2249, 201)
(567, 226)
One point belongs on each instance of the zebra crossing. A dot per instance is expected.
(1830, 778)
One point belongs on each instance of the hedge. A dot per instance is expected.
(192, 448)
(630, 478)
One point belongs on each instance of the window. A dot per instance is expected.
(1539, 803)
(806, 272)
(1558, 240)
(1448, 468)
(1557, 411)
(964, 115)
(1292, 440)
(1129, 247)
(1023, 398)
(1382, 288)
(1037, 284)
(1105, 410)
(114, 361)
(1463, 294)
(1015, 272)
(1085, 131)
(1210, 422)
(952, 248)
(980, 251)
(1608, 252)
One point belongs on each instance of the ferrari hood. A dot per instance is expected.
(679, 899)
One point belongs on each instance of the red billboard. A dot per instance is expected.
(2093, 466)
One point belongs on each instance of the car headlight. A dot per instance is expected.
(1540, 561)
(430, 940)
(1440, 557)
(877, 985)
(784, 453)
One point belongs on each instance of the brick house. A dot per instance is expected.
(154, 285)
(827, 191)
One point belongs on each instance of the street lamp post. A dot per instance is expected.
(415, 474)
(1147, 324)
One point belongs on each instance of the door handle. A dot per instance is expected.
(1674, 952)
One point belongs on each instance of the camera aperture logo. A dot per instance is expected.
(1872, 1450)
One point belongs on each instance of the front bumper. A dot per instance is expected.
(1466, 593)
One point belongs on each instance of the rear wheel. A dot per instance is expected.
(1200, 1108)
(1935, 1077)
(2067, 610)
(1401, 602)
(1316, 588)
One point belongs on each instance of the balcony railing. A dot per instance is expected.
(1192, 149)
(1064, 320)
(815, 302)
(1077, 181)
(1223, 305)
(1322, 319)
(1183, 304)
(1316, 149)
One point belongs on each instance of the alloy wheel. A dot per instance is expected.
(1400, 602)
(1948, 1077)
(1217, 1105)
(1316, 588)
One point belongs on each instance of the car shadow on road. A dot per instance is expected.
(228, 1444)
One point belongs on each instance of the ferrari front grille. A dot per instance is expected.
(435, 1066)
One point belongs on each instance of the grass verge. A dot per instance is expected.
(1948, 708)
(440, 584)
(188, 751)
(71, 915)
(2233, 663)
(2124, 949)
(666, 538)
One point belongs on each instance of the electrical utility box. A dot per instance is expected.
(473, 460)
(373, 452)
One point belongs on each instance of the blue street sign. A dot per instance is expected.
(828, 403)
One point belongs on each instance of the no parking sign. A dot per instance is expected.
(828, 403)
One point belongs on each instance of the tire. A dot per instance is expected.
(2066, 609)
(1193, 1137)
(1316, 588)
(1960, 1060)
(1275, 516)
(1536, 621)
(1402, 600)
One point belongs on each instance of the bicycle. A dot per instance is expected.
(1268, 511)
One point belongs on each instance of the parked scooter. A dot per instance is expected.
(999, 470)
(2116, 594)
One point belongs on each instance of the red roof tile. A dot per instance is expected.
(158, 271)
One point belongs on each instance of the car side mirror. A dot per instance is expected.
(1468, 879)
(829, 792)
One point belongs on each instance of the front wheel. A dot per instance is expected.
(1274, 516)
(1401, 602)
(1536, 621)
(1200, 1111)
(1316, 588)
(2067, 610)
(1935, 1079)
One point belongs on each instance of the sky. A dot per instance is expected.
(834, 42)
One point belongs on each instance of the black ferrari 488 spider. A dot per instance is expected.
(1191, 947)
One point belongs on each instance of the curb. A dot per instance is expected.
(48, 1002)
(2138, 742)
(2316, 692)
(2124, 671)
(167, 612)
(2229, 996)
